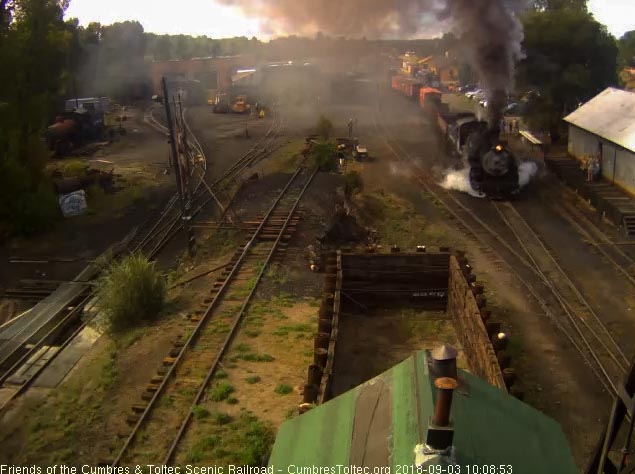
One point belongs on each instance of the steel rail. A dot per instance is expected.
(568, 310)
(622, 364)
(573, 216)
(234, 327)
(422, 179)
(200, 324)
(58, 327)
(172, 227)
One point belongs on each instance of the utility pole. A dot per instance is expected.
(178, 171)
(176, 162)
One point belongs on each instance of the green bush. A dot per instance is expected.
(252, 379)
(324, 155)
(353, 183)
(131, 292)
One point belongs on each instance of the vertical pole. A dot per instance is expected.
(185, 173)
(176, 162)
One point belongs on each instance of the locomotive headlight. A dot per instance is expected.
(499, 148)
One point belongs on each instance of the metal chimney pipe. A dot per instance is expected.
(445, 389)
(443, 362)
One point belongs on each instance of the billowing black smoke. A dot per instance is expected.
(491, 36)
(490, 33)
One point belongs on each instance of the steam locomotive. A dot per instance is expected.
(493, 167)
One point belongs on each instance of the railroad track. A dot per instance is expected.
(537, 268)
(20, 367)
(161, 428)
(590, 333)
(19, 373)
(159, 230)
(596, 237)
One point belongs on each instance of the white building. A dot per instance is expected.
(606, 125)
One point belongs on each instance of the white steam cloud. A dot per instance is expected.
(526, 171)
(459, 180)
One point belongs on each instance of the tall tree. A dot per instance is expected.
(34, 59)
(626, 45)
(577, 5)
(33, 53)
(570, 57)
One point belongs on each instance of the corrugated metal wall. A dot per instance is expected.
(625, 169)
(618, 164)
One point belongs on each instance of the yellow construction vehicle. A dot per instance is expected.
(240, 105)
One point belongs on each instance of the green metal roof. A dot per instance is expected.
(380, 422)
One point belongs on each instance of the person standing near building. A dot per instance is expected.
(597, 169)
(589, 170)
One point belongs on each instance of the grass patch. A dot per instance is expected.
(222, 418)
(53, 428)
(283, 389)
(187, 392)
(220, 375)
(252, 333)
(109, 372)
(250, 357)
(199, 412)
(198, 452)
(278, 274)
(285, 158)
(252, 379)
(232, 401)
(243, 348)
(253, 320)
(284, 300)
(223, 242)
(133, 193)
(298, 328)
(73, 167)
(243, 441)
(221, 391)
(397, 222)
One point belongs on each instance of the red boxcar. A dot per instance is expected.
(429, 98)
(408, 86)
